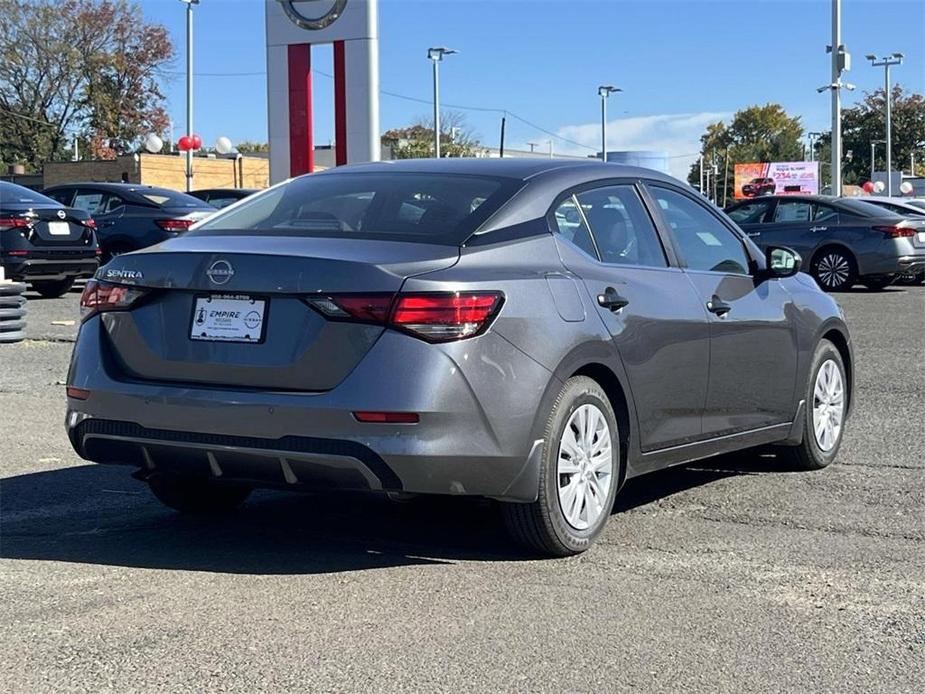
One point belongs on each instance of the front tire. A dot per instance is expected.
(834, 270)
(877, 284)
(824, 414)
(196, 495)
(579, 474)
(53, 289)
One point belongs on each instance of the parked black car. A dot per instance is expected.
(222, 197)
(842, 241)
(43, 242)
(759, 186)
(130, 217)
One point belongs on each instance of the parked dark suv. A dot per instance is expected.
(759, 186)
(130, 217)
(44, 243)
(842, 241)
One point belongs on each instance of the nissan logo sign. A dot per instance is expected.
(313, 23)
(220, 272)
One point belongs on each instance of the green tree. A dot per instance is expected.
(248, 147)
(87, 68)
(417, 140)
(755, 134)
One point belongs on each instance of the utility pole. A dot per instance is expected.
(189, 88)
(841, 62)
(604, 91)
(701, 174)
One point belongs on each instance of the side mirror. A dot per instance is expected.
(782, 261)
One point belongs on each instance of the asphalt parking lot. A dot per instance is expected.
(726, 576)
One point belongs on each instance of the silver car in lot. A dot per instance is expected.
(534, 332)
(844, 241)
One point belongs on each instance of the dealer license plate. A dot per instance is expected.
(59, 228)
(228, 318)
(922, 237)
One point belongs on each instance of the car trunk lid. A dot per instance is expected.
(271, 339)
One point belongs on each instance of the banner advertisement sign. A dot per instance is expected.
(776, 178)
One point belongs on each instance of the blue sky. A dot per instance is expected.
(681, 64)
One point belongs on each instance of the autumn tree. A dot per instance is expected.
(755, 134)
(417, 140)
(85, 68)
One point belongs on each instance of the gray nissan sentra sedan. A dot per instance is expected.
(534, 332)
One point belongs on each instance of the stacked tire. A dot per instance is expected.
(12, 312)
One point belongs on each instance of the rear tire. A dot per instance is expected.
(580, 471)
(834, 269)
(815, 452)
(195, 495)
(53, 289)
(877, 284)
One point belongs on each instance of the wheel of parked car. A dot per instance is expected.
(52, 289)
(834, 269)
(876, 284)
(824, 413)
(911, 280)
(579, 474)
(196, 495)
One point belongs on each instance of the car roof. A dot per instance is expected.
(114, 187)
(512, 167)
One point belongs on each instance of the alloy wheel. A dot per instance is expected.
(833, 270)
(585, 467)
(828, 405)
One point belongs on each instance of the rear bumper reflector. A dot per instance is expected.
(77, 393)
(387, 417)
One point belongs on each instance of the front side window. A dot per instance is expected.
(749, 213)
(792, 211)
(424, 208)
(705, 242)
(621, 226)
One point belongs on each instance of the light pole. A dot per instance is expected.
(604, 91)
(189, 88)
(435, 55)
(873, 154)
(885, 63)
(841, 62)
(813, 136)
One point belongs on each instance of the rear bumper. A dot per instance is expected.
(890, 264)
(49, 268)
(474, 437)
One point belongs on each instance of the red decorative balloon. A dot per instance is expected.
(868, 186)
(185, 143)
(196, 142)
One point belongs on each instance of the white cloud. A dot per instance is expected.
(678, 134)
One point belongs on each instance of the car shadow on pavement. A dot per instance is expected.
(96, 514)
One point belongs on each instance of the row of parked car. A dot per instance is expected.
(53, 238)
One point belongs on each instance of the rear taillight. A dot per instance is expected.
(895, 232)
(100, 296)
(90, 223)
(174, 225)
(435, 317)
(14, 223)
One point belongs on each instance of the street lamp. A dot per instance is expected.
(189, 88)
(436, 56)
(604, 91)
(873, 154)
(813, 136)
(885, 63)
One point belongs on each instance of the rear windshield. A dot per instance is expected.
(13, 195)
(169, 198)
(424, 208)
(866, 209)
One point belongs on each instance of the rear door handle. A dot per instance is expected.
(718, 306)
(611, 300)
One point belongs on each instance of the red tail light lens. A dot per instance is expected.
(100, 296)
(174, 225)
(90, 223)
(435, 317)
(895, 232)
(444, 317)
(14, 223)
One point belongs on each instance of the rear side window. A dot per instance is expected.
(163, 197)
(793, 211)
(570, 223)
(621, 227)
(424, 208)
